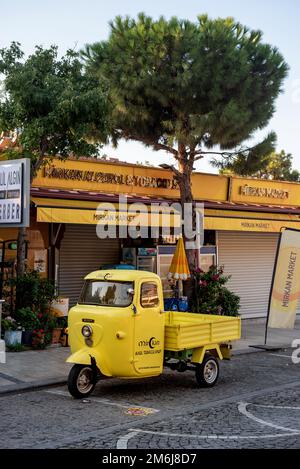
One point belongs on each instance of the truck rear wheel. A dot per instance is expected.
(81, 381)
(207, 372)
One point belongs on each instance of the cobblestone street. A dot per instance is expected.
(256, 404)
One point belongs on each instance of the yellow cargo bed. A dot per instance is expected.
(188, 330)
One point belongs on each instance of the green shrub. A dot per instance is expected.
(16, 348)
(33, 291)
(27, 318)
(209, 294)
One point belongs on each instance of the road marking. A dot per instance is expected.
(104, 401)
(11, 378)
(123, 441)
(242, 407)
(276, 406)
(135, 431)
(278, 355)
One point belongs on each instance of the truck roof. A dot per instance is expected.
(121, 275)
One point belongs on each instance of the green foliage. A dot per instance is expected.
(212, 82)
(34, 291)
(41, 336)
(27, 318)
(16, 348)
(279, 166)
(9, 324)
(210, 296)
(247, 162)
(268, 165)
(52, 105)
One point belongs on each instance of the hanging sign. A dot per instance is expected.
(14, 193)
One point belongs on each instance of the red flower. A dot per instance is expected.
(40, 315)
(198, 271)
(203, 283)
(215, 278)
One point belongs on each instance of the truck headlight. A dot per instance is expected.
(86, 331)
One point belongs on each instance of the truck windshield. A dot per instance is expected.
(103, 293)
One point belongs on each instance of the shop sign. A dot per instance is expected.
(14, 192)
(285, 291)
(269, 192)
(109, 178)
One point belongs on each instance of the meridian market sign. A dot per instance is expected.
(14, 193)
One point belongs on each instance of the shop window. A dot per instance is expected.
(149, 295)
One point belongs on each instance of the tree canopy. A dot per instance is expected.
(274, 165)
(195, 85)
(188, 88)
(52, 106)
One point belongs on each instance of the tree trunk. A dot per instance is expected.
(186, 197)
(21, 247)
(21, 251)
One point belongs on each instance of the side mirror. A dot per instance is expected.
(130, 291)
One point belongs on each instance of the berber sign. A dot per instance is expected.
(14, 192)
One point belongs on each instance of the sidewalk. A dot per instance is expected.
(34, 369)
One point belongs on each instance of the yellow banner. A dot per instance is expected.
(248, 224)
(106, 217)
(286, 285)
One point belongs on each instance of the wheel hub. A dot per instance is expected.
(210, 371)
(85, 380)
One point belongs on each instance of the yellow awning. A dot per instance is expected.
(89, 212)
(231, 220)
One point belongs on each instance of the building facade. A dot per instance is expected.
(242, 220)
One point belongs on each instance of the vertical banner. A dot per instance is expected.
(285, 290)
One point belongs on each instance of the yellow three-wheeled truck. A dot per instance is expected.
(120, 329)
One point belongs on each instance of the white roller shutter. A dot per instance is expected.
(249, 259)
(81, 252)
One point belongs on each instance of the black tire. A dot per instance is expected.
(77, 388)
(207, 372)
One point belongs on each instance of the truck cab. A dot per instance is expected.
(119, 321)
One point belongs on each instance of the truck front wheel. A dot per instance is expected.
(81, 381)
(207, 372)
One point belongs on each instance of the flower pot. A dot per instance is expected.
(27, 337)
(13, 337)
(56, 333)
(38, 340)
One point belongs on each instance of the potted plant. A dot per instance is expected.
(39, 339)
(28, 320)
(56, 330)
(12, 331)
(210, 295)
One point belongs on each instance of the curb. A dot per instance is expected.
(31, 386)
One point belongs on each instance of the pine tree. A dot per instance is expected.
(187, 87)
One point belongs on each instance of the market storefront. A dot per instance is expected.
(243, 218)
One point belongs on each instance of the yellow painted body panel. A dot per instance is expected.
(198, 353)
(130, 344)
(125, 344)
(188, 330)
